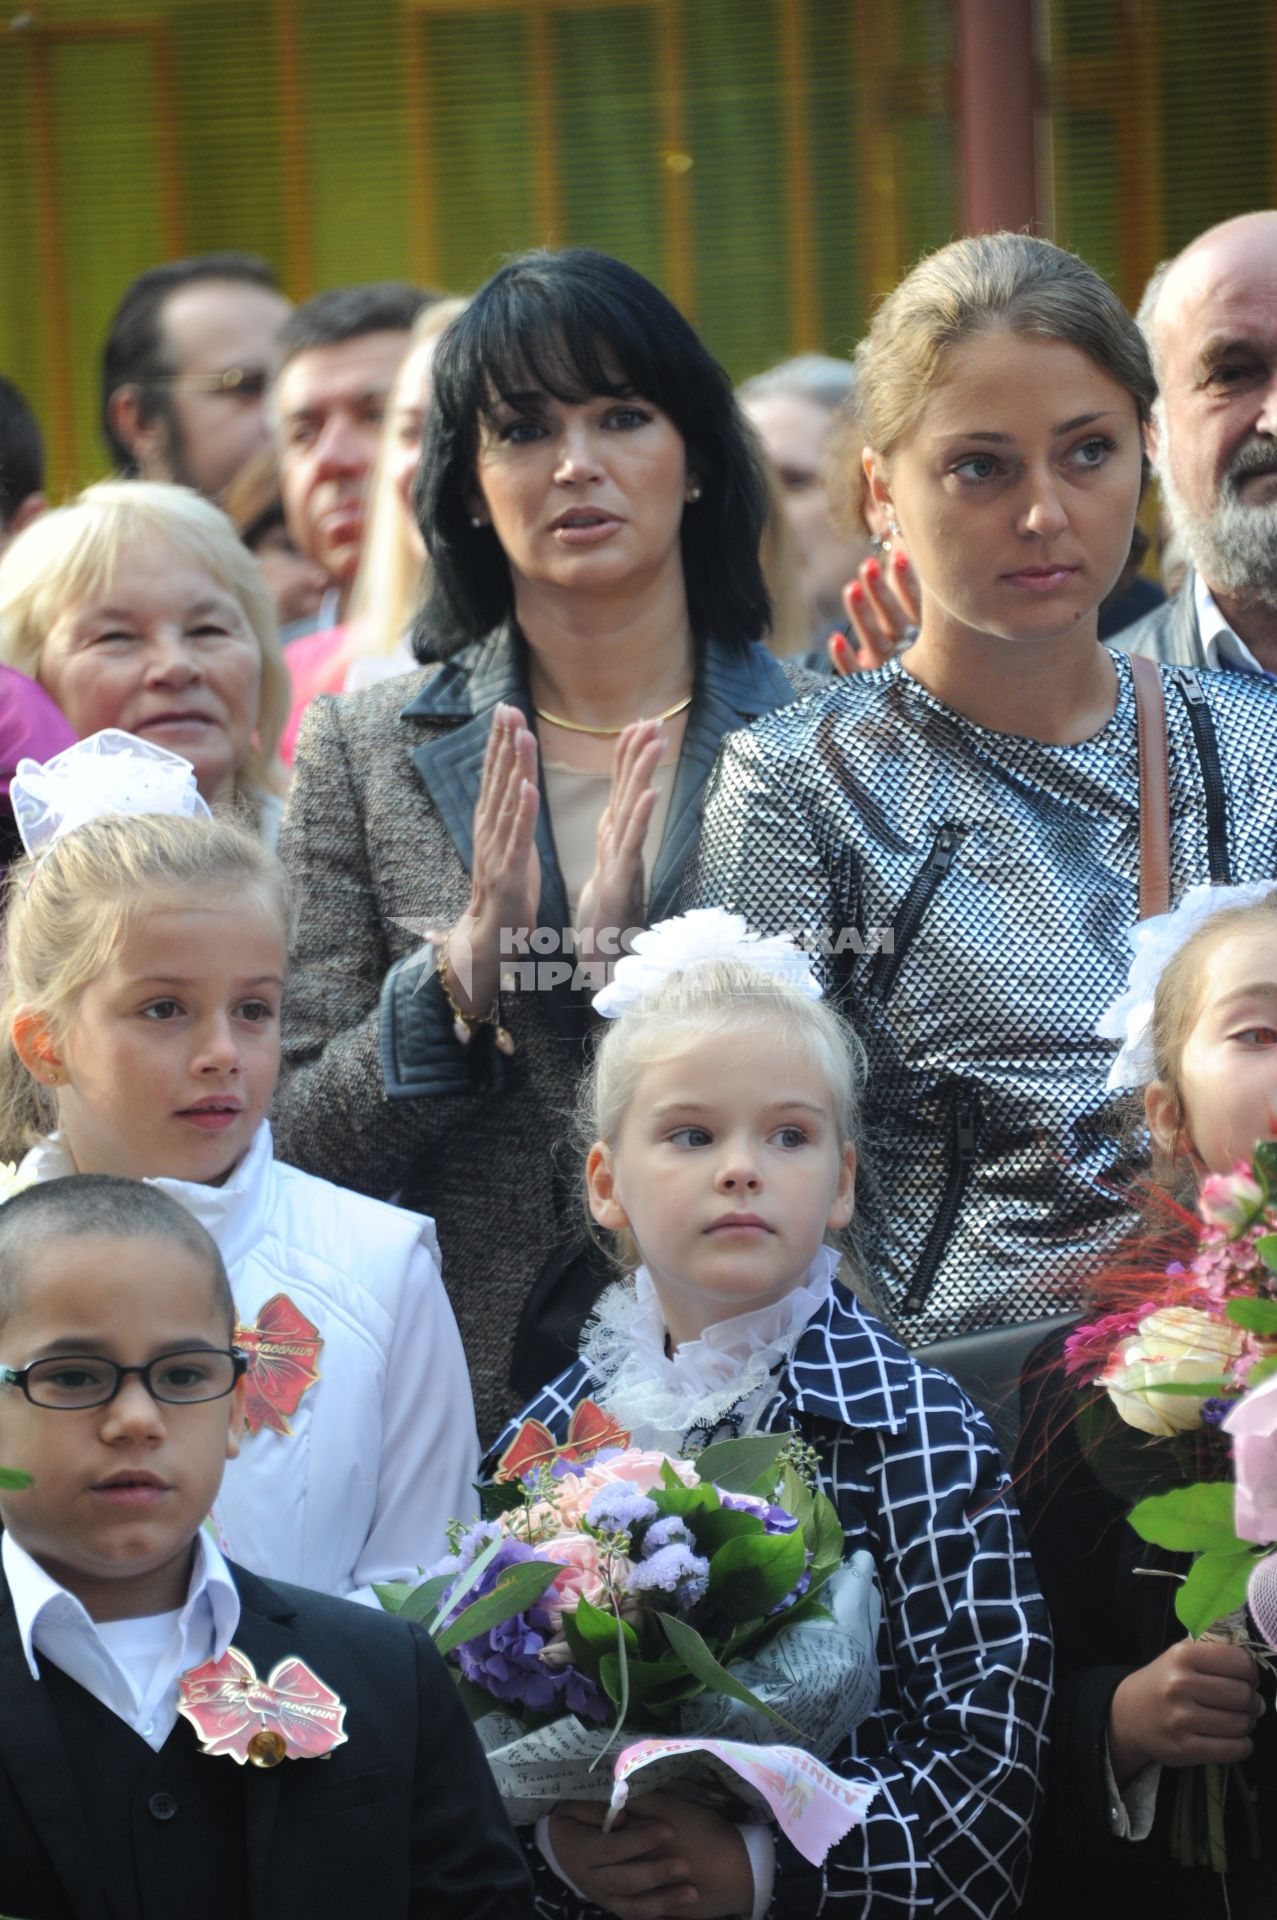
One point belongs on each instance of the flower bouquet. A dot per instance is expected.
(1174, 1368)
(610, 1593)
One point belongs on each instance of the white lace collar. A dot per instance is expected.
(660, 1398)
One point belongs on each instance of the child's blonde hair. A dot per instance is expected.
(71, 554)
(69, 912)
(720, 1001)
(1176, 1006)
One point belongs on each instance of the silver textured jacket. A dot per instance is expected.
(970, 894)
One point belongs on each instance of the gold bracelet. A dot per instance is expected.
(466, 1025)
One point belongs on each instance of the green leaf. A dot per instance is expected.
(421, 1603)
(1257, 1316)
(1196, 1519)
(700, 1662)
(747, 1578)
(517, 1587)
(828, 1543)
(393, 1594)
(681, 1500)
(713, 1530)
(10, 1477)
(654, 1680)
(795, 1496)
(735, 1465)
(585, 1653)
(1265, 1164)
(1261, 1371)
(1188, 1389)
(597, 1627)
(1266, 1248)
(1216, 1585)
(498, 1497)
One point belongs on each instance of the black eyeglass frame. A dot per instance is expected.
(21, 1377)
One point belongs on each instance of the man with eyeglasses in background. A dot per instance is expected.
(185, 369)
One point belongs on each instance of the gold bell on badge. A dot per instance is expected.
(266, 1749)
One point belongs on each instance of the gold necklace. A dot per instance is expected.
(606, 733)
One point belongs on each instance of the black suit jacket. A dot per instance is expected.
(403, 1821)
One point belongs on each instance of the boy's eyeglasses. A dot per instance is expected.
(72, 1381)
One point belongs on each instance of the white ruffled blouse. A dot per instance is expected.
(713, 1387)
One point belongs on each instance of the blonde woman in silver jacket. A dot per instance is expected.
(958, 831)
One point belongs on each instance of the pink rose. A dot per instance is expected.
(637, 1467)
(1253, 1425)
(581, 1578)
(1231, 1200)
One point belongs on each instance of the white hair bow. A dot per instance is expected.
(705, 935)
(109, 772)
(1156, 942)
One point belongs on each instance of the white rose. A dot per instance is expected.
(1179, 1347)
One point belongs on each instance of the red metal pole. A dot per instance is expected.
(996, 100)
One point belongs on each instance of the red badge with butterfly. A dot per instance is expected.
(282, 1351)
(534, 1446)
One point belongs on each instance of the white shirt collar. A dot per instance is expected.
(232, 1213)
(48, 1616)
(1220, 645)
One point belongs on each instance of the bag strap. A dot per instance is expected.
(1155, 786)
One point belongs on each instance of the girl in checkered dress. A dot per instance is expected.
(722, 1120)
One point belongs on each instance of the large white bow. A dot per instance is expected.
(109, 772)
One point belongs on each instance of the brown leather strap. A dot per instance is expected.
(1155, 786)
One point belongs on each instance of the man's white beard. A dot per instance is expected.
(1235, 548)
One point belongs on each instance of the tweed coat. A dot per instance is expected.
(377, 1093)
(957, 1742)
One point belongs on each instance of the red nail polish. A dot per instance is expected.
(872, 569)
(856, 591)
(900, 560)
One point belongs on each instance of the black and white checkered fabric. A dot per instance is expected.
(957, 1744)
(822, 819)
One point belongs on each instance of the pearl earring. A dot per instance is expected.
(694, 492)
(477, 521)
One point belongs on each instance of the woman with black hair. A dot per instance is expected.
(469, 845)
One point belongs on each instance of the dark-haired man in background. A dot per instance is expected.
(185, 369)
(336, 362)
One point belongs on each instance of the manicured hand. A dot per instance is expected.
(613, 896)
(1197, 1703)
(505, 888)
(882, 603)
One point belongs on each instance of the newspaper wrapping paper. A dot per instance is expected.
(813, 1808)
(822, 1675)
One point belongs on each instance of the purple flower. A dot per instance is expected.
(664, 1533)
(1216, 1410)
(470, 1546)
(505, 1661)
(619, 1507)
(774, 1519)
(673, 1570)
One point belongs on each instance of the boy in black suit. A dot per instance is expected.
(349, 1782)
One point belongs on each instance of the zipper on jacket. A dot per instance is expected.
(1199, 718)
(913, 909)
(964, 1119)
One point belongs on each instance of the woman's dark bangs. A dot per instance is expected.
(571, 349)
